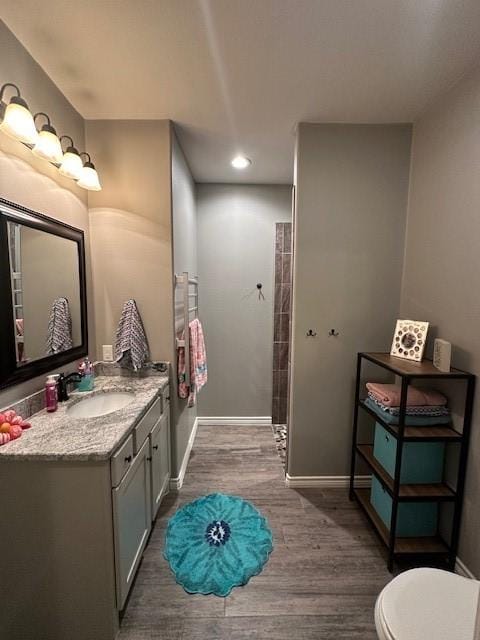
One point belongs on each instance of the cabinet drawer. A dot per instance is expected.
(143, 428)
(121, 460)
(165, 396)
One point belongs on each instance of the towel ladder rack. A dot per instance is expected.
(186, 281)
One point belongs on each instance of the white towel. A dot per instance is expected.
(131, 348)
(59, 336)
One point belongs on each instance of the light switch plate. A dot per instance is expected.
(107, 353)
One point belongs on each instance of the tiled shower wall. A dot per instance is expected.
(281, 318)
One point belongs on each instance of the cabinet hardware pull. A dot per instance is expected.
(149, 459)
(155, 447)
(128, 458)
(168, 399)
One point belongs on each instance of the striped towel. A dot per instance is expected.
(414, 410)
(131, 345)
(59, 336)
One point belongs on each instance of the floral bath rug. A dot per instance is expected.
(216, 543)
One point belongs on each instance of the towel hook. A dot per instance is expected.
(260, 292)
(333, 333)
(311, 333)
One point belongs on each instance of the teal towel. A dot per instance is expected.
(411, 421)
(216, 543)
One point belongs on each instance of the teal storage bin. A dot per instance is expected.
(422, 462)
(414, 519)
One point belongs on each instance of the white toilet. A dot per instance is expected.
(427, 604)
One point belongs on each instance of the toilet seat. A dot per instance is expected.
(427, 604)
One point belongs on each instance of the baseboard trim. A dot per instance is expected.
(177, 483)
(462, 569)
(231, 421)
(338, 482)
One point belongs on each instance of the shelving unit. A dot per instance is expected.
(427, 547)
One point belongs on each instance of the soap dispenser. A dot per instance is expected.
(51, 394)
(85, 369)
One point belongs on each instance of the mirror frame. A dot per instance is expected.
(10, 373)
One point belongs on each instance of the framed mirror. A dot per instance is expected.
(43, 302)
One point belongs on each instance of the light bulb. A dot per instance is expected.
(241, 162)
(48, 145)
(72, 165)
(89, 178)
(18, 122)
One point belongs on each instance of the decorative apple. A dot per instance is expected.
(15, 431)
(11, 426)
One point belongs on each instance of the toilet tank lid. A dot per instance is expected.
(430, 603)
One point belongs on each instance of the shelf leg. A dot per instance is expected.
(355, 426)
(462, 468)
(398, 472)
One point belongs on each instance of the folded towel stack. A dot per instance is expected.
(424, 406)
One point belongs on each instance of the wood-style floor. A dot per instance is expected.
(320, 582)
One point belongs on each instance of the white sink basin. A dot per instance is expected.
(100, 404)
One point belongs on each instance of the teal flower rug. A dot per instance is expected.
(216, 543)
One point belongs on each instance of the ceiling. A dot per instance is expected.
(237, 75)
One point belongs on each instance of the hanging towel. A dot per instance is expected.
(131, 345)
(198, 364)
(59, 336)
(19, 325)
(183, 390)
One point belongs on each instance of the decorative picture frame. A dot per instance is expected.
(409, 339)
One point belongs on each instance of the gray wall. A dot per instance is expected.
(236, 236)
(351, 200)
(130, 221)
(184, 221)
(34, 183)
(442, 259)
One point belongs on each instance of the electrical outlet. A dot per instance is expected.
(107, 353)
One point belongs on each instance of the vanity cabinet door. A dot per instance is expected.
(160, 454)
(132, 521)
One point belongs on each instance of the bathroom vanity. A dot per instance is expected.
(77, 501)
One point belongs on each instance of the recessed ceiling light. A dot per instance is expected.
(241, 162)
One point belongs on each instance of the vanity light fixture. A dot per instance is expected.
(89, 176)
(241, 162)
(48, 145)
(71, 165)
(17, 120)
(18, 123)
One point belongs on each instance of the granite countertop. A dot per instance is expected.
(58, 436)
